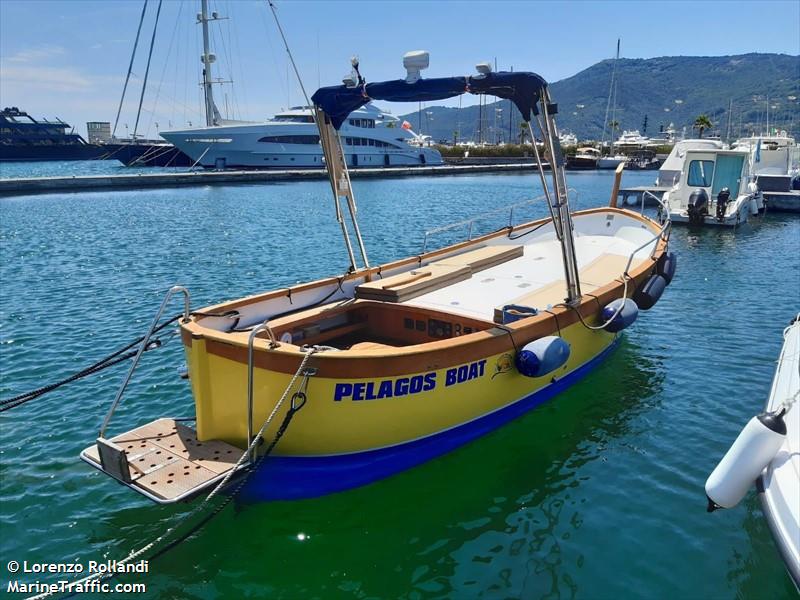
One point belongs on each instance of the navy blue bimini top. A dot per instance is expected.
(523, 89)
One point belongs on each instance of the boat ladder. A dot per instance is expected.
(162, 460)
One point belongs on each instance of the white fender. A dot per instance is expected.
(753, 450)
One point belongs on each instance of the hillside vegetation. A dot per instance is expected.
(670, 89)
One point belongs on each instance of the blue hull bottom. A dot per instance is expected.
(292, 478)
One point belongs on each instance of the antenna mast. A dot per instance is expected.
(212, 114)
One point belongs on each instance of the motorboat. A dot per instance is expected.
(584, 158)
(642, 160)
(372, 138)
(779, 484)
(716, 188)
(775, 160)
(356, 377)
(666, 137)
(767, 453)
(670, 171)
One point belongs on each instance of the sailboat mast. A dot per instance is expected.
(207, 60)
(611, 92)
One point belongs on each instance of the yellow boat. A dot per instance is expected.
(393, 365)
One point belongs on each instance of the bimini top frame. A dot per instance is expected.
(528, 92)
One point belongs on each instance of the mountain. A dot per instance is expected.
(669, 89)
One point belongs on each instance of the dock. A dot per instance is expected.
(51, 185)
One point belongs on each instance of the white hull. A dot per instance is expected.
(781, 479)
(610, 162)
(370, 139)
(737, 214)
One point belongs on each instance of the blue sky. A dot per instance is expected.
(68, 58)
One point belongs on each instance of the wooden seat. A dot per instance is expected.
(606, 268)
(483, 258)
(404, 286)
(370, 346)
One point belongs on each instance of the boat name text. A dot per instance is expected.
(406, 386)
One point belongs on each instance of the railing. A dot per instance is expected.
(663, 233)
(273, 343)
(145, 341)
(470, 223)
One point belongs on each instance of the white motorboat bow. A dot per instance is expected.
(767, 451)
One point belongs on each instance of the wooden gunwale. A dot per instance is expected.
(390, 361)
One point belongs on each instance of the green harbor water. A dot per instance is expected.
(596, 494)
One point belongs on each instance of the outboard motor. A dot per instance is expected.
(722, 202)
(698, 206)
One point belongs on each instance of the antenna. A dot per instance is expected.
(414, 62)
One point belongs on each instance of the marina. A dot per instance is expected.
(617, 431)
(305, 348)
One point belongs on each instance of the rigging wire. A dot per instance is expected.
(147, 69)
(288, 51)
(164, 70)
(130, 68)
(277, 72)
(240, 78)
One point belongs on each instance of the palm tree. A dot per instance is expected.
(701, 123)
(523, 132)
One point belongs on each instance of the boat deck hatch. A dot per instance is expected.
(163, 460)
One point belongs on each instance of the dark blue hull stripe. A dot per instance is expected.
(290, 478)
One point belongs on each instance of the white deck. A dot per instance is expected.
(781, 479)
(540, 267)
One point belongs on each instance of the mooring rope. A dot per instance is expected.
(109, 361)
(256, 440)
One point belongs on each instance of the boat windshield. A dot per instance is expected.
(701, 173)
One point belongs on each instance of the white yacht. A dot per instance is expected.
(631, 140)
(666, 137)
(715, 187)
(568, 139)
(371, 138)
(775, 158)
